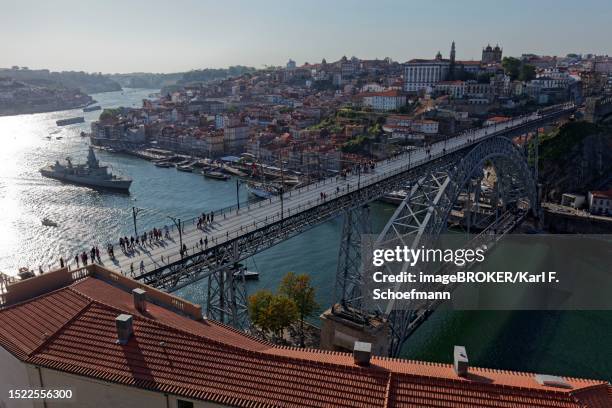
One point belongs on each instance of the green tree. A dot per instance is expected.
(282, 312)
(109, 113)
(299, 289)
(258, 308)
(485, 78)
(511, 66)
(527, 72)
(272, 313)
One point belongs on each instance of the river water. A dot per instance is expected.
(568, 343)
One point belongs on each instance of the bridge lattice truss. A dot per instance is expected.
(423, 216)
(216, 263)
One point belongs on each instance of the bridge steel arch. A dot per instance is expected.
(423, 216)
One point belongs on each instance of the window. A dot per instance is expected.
(183, 404)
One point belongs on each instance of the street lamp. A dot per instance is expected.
(177, 222)
(135, 212)
(281, 191)
(237, 193)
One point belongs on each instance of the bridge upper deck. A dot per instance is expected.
(233, 222)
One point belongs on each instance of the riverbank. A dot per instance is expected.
(560, 219)
(45, 109)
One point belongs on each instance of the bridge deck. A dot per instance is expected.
(233, 223)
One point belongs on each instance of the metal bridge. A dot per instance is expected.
(438, 175)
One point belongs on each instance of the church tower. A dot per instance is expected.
(451, 70)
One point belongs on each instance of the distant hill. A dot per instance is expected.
(146, 80)
(210, 74)
(158, 81)
(83, 81)
(18, 97)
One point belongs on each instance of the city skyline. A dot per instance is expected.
(161, 37)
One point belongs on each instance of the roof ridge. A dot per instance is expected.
(59, 329)
(172, 328)
(233, 329)
(387, 402)
(37, 297)
(603, 384)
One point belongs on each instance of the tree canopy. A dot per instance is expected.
(300, 291)
(512, 67)
(295, 301)
(517, 69)
(527, 72)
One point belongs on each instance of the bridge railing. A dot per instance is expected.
(249, 203)
(262, 222)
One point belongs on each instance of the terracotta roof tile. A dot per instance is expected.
(208, 361)
(29, 324)
(120, 299)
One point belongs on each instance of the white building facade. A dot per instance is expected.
(424, 74)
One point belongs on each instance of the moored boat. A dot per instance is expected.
(163, 164)
(186, 168)
(70, 121)
(248, 275)
(261, 190)
(216, 175)
(394, 197)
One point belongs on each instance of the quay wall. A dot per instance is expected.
(570, 223)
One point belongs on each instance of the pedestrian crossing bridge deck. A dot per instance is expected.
(238, 233)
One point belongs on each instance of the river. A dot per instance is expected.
(568, 343)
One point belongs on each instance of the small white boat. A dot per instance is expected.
(186, 168)
(248, 275)
(261, 190)
(49, 223)
(394, 197)
(164, 164)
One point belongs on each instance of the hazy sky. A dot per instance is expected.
(177, 35)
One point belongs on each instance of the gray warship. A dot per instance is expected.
(90, 174)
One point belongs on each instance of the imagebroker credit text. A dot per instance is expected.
(468, 277)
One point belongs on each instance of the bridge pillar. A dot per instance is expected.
(345, 322)
(226, 299)
(341, 327)
(347, 290)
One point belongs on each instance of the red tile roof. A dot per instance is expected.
(73, 330)
(498, 119)
(389, 92)
(602, 194)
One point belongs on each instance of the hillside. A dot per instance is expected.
(576, 158)
(83, 81)
(17, 97)
(157, 80)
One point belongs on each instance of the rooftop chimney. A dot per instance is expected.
(124, 328)
(461, 362)
(362, 352)
(140, 299)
